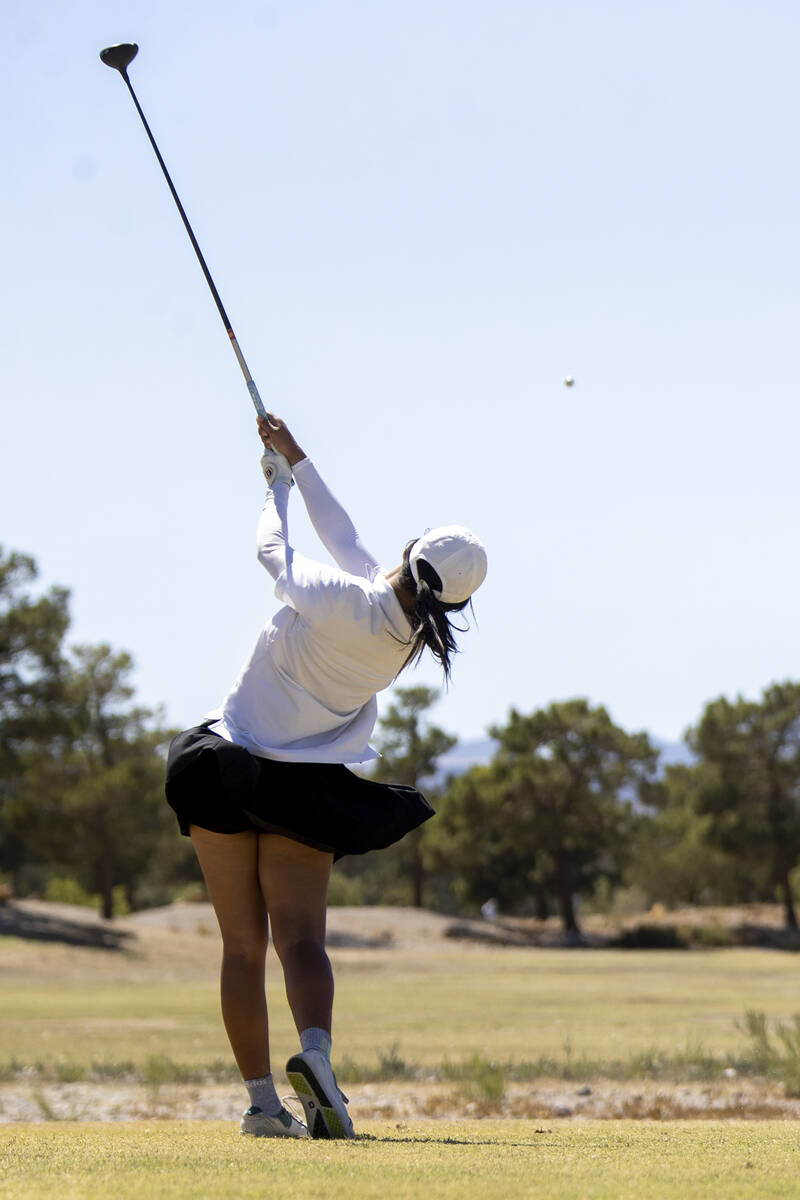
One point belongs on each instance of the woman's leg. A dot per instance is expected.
(294, 882)
(229, 862)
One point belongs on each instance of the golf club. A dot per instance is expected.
(119, 58)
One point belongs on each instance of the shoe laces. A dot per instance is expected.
(291, 1104)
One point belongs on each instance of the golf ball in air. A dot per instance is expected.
(568, 382)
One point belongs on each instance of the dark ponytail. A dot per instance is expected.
(429, 617)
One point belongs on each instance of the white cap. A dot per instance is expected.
(457, 557)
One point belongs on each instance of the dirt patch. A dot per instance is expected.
(749, 1100)
(360, 928)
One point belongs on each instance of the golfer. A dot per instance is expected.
(261, 786)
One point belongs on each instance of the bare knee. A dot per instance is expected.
(244, 953)
(292, 944)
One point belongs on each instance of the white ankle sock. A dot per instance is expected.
(263, 1095)
(316, 1039)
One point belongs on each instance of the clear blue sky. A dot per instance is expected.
(421, 216)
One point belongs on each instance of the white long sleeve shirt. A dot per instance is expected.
(307, 691)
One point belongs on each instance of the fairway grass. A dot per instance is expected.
(490, 1160)
(62, 1005)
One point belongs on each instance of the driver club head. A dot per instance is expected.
(119, 56)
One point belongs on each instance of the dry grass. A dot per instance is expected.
(162, 998)
(152, 1011)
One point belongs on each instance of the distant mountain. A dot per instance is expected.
(672, 754)
(477, 752)
(474, 752)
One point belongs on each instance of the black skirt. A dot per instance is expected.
(222, 787)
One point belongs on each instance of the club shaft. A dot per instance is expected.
(251, 386)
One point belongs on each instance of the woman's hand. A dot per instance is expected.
(275, 436)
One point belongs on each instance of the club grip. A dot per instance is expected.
(254, 396)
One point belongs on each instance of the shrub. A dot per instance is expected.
(390, 1066)
(653, 937)
(63, 889)
(70, 1073)
(483, 1079)
(344, 891)
(711, 936)
(778, 1058)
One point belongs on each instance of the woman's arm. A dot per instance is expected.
(276, 436)
(272, 536)
(334, 528)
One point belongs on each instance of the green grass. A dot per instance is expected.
(493, 1160)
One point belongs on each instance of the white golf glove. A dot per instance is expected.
(276, 468)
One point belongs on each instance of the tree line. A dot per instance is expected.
(570, 809)
(81, 765)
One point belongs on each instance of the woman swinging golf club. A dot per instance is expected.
(261, 787)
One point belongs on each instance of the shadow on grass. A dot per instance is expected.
(16, 921)
(359, 941)
(443, 1141)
